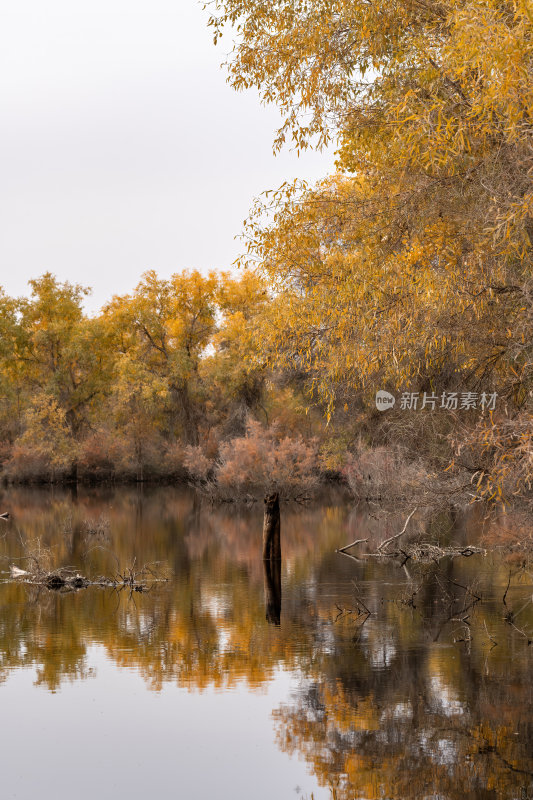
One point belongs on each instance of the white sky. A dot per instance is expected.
(122, 148)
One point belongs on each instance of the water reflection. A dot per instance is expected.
(415, 701)
(272, 569)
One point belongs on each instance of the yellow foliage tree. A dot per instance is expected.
(414, 266)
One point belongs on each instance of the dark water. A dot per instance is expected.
(193, 691)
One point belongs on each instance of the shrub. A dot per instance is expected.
(383, 472)
(98, 455)
(6, 449)
(173, 465)
(260, 462)
(198, 465)
(46, 449)
(27, 464)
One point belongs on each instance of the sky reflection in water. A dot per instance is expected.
(194, 690)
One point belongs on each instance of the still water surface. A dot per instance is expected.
(194, 690)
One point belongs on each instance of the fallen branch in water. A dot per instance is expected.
(418, 551)
(68, 579)
(509, 618)
(353, 544)
(62, 578)
(385, 544)
(426, 551)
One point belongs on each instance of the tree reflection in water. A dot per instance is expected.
(272, 569)
(414, 703)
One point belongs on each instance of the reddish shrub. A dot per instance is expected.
(98, 455)
(261, 462)
(28, 464)
(198, 465)
(6, 449)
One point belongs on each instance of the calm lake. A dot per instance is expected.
(221, 684)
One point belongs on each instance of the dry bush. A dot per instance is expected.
(141, 457)
(173, 465)
(28, 464)
(198, 465)
(211, 443)
(260, 462)
(5, 453)
(423, 435)
(511, 534)
(37, 558)
(46, 449)
(384, 472)
(123, 456)
(98, 455)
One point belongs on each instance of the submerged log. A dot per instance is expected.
(66, 579)
(58, 580)
(271, 528)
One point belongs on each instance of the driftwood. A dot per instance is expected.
(352, 544)
(418, 551)
(39, 570)
(67, 579)
(383, 545)
(63, 578)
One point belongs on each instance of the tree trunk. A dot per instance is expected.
(271, 529)
(186, 411)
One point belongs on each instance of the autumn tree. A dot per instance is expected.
(54, 363)
(10, 398)
(160, 333)
(414, 266)
(236, 367)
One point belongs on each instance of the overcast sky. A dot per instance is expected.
(122, 147)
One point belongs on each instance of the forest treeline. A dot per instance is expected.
(409, 271)
(167, 382)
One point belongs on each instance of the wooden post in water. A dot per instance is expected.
(272, 558)
(271, 529)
